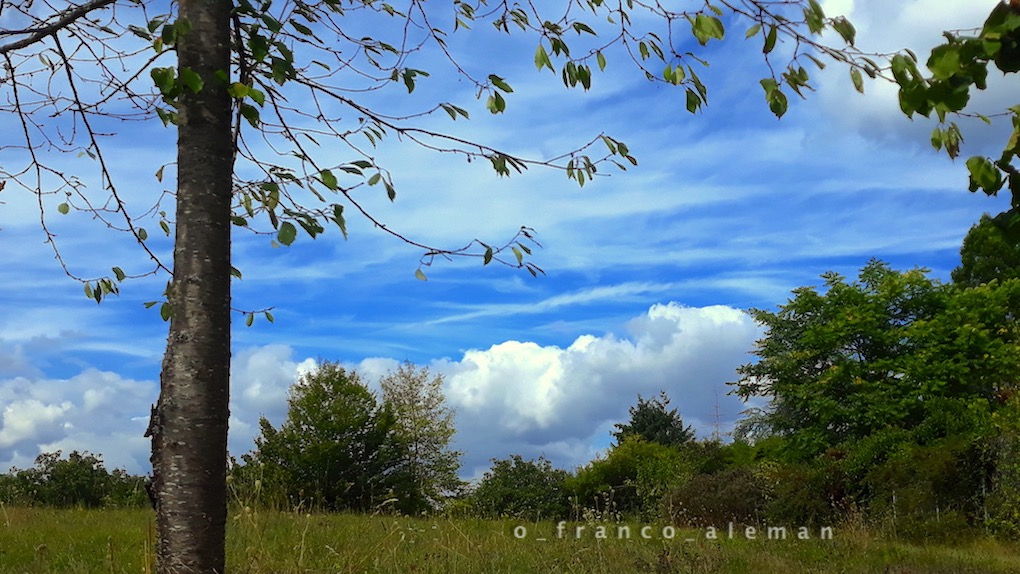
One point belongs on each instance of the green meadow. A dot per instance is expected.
(34, 540)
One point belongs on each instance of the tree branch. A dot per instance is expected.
(65, 19)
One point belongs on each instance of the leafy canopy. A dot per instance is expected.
(336, 449)
(424, 430)
(880, 352)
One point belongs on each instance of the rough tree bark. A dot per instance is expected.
(189, 423)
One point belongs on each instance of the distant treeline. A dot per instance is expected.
(80, 480)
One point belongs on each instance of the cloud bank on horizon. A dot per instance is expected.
(516, 397)
(648, 271)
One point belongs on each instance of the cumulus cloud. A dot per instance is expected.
(98, 411)
(106, 413)
(516, 397)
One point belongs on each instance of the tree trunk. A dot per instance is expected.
(189, 423)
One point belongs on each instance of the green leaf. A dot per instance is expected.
(119, 273)
(706, 27)
(752, 30)
(418, 274)
(500, 83)
(328, 179)
(693, 101)
(257, 96)
(770, 40)
(582, 27)
(775, 97)
(269, 317)
(374, 179)
(164, 80)
(984, 175)
(338, 217)
(496, 104)
(302, 28)
(857, 79)
(249, 319)
(814, 17)
(164, 311)
(88, 290)
(237, 90)
(250, 113)
(944, 62)
(518, 254)
(142, 234)
(287, 233)
(845, 29)
(191, 80)
(601, 60)
(542, 59)
(487, 258)
(63, 208)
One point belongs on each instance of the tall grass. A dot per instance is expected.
(47, 541)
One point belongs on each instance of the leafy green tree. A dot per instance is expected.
(227, 75)
(884, 391)
(652, 420)
(523, 489)
(991, 250)
(835, 365)
(80, 480)
(971, 349)
(424, 430)
(336, 449)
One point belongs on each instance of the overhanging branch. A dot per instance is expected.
(64, 19)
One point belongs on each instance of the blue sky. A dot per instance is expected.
(648, 272)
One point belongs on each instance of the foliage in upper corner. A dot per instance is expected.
(956, 66)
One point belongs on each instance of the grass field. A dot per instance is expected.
(120, 541)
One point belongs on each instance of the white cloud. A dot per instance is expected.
(520, 397)
(98, 411)
(28, 419)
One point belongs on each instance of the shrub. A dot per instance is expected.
(523, 489)
(736, 495)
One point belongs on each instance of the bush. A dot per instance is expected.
(633, 477)
(736, 495)
(522, 489)
(807, 494)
